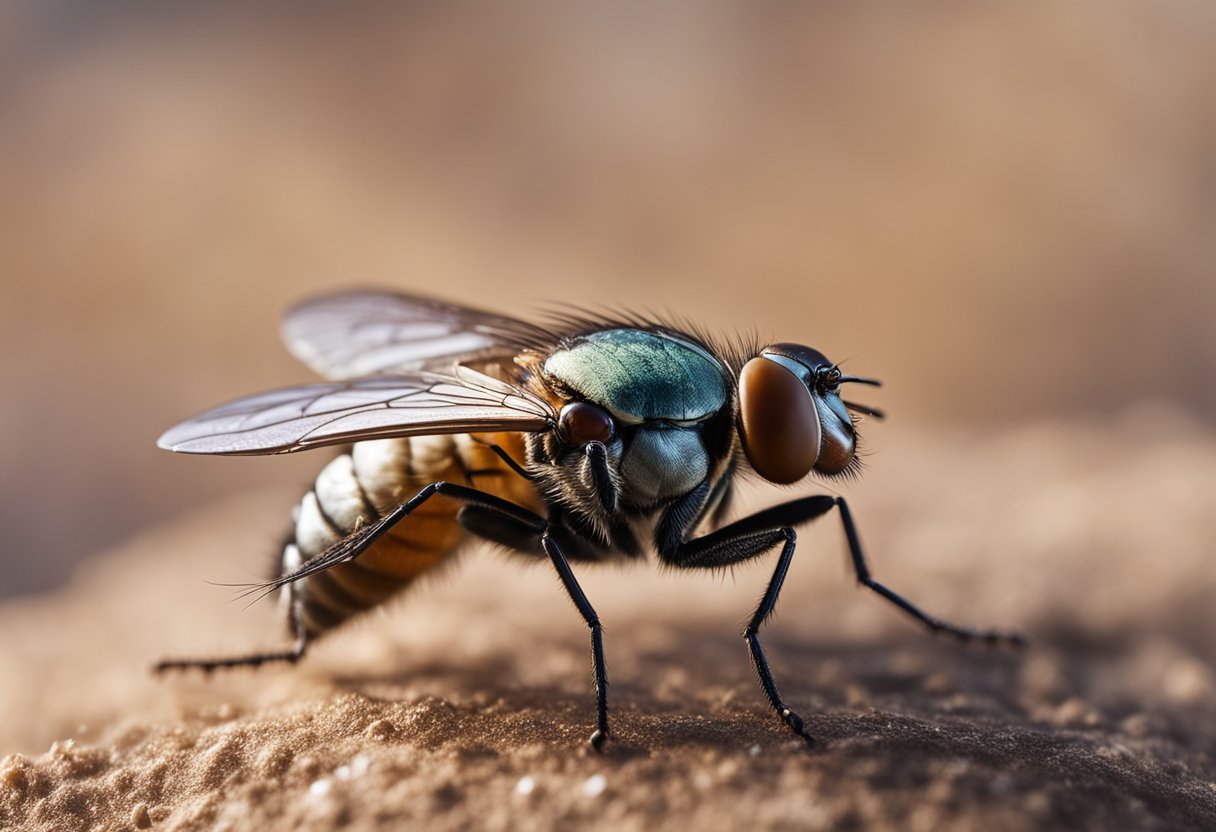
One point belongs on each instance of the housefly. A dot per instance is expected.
(583, 440)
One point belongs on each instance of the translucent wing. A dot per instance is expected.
(298, 418)
(363, 333)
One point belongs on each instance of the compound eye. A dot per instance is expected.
(580, 423)
(778, 421)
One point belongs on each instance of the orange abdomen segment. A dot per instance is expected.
(358, 488)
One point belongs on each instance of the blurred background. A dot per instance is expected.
(1006, 211)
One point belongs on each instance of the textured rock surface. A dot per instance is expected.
(469, 702)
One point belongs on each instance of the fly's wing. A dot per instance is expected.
(364, 333)
(378, 407)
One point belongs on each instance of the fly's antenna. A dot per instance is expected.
(873, 382)
(865, 409)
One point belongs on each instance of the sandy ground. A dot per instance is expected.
(469, 704)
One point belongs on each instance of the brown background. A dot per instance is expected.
(1006, 212)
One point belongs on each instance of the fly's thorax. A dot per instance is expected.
(639, 375)
(663, 461)
(666, 401)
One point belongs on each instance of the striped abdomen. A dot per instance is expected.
(359, 487)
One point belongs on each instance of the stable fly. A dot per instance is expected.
(581, 440)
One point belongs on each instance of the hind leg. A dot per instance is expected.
(291, 655)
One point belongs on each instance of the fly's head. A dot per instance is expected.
(792, 419)
(641, 416)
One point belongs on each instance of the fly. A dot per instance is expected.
(553, 441)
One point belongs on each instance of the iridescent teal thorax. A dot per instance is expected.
(640, 376)
(661, 389)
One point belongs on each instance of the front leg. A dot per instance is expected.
(745, 539)
(756, 534)
(935, 625)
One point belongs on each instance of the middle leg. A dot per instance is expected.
(558, 558)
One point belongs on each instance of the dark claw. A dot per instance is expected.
(598, 739)
(795, 722)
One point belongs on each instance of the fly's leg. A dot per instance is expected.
(743, 540)
(501, 453)
(291, 655)
(751, 634)
(345, 550)
(558, 558)
(490, 525)
(349, 549)
(935, 625)
(758, 533)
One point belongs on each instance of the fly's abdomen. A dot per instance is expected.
(360, 487)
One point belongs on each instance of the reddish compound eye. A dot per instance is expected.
(778, 421)
(581, 423)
